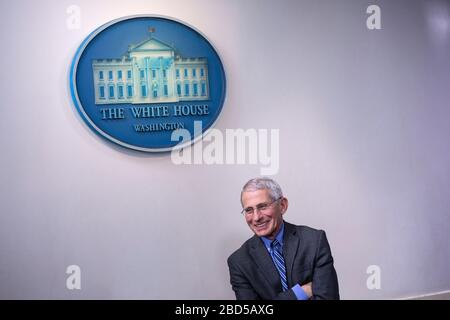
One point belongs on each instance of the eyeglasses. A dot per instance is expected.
(262, 207)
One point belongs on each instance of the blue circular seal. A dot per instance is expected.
(136, 80)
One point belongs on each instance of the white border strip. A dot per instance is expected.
(426, 295)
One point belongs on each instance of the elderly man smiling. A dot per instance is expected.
(282, 260)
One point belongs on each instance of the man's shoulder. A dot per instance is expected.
(304, 231)
(242, 252)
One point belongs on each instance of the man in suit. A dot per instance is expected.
(282, 260)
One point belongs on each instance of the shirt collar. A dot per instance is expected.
(279, 237)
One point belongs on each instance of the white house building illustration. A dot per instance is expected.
(150, 72)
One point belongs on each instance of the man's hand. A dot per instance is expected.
(308, 289)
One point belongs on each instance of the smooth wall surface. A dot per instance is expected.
(364, 151)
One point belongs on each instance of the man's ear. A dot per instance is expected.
(284, 203)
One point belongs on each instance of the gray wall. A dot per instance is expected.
(364, 151)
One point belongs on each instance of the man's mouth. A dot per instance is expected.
(261, 225)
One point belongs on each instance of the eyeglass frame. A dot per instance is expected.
(265, 207)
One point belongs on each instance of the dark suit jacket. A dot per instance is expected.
(307, 255)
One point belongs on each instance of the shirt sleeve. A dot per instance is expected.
(299, 292)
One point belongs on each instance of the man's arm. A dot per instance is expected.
(325, 282)
(241, 287)
(244, 290)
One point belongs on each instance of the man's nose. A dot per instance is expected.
(256, 215)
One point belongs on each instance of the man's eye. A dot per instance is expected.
(248, 210)
(262, 206)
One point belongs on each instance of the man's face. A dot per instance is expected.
(264, 223)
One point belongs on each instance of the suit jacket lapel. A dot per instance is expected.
(265, 264)
(291, 242)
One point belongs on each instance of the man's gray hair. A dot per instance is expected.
(261, 184)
